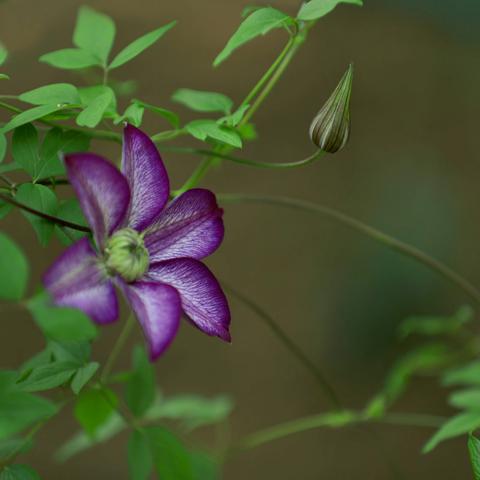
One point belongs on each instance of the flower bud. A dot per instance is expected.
(330, 129)
(126, 255)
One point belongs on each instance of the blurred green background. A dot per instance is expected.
(411, 169)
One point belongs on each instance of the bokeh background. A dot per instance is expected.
(411, 169)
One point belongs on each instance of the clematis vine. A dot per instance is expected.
(146, 247)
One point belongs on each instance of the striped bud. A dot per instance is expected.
(330, 129)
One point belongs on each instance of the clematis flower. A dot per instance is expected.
(148, 248)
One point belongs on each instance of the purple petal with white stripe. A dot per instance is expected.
(158, 310)
(147, 177)
(201, 295)
(102, 191)
(191, 226)
(77, 280)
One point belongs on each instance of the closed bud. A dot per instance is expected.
(330, 129)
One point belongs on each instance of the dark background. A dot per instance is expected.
(411, 169)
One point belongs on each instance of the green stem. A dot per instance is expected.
(291, 346)
(377, 235)
(117, 348)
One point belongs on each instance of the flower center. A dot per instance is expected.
(126, 255)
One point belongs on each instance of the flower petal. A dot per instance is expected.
(77, 280)
(102, 191)
(147, 177)
(191, 226)
(202, 297)
(158, 310)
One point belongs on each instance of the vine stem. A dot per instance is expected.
(291, 346)
(117, 348)
(380, 237)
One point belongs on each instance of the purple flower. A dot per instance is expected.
(150, 250)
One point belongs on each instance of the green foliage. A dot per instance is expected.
(51, 94)
(204, 129)
(140, 461)
(203, 101)
(18, 409)
(70, 210)
(19, 472)
(436, 325)
(94, 33)
(460, 424)
(3, 146)
(94, 407)
(93, 114)
(139, 45)
(140, 387)
(69, 59)
(3, 54)
(30, 115)
(25, 148)
(13, 270)
(133, 114)
(83, 376)
(171, 117)
(468, 374)
(204, 467)
(469, 399)
(60, 323)
(43, 199)
(316, 9)
(260, 22)
(474, 452)
(48, 376)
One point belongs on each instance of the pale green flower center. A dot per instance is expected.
(126, 255)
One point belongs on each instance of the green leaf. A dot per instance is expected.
(194, 411)
(94, 407)
(235, 118)
(140, 388)
(30, 115)
(467, 399)
(60, 323)
(71, 211)
(203, 129)
(204, 467)
(169, 116)
(19, 472)
(203, 101)
(315, 9)
(133, 115)
(69, 59)
(43, 199)
(94, 33)
(455, 426)
(3, 54)
(5, 209)
(436, 325)
(50, 94)
(12, 445)
(4, 76)
(260, 22)
(77, 351)
(55, 144)
(140, 461)
(83, 376)
(46, 377)
(474, 452)
(468, 374)
(90, 94)
(3, 147)
(139, 45)
(25, 148)
(171, 459)
(93, 114)
(19, 410)
(13, 270)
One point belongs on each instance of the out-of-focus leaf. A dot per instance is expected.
(51, 94)
(48, 376)
(70, 210)
(436, 325)
(69, 59)
(3, 54)
(168, 115)
(13, 270)
(171, 459)
(83, 376)
(204, 467)
(139, 45)
(235, 118)
(60, 323)
(30, 115)
(468, 374)
(467, 399)
(474, 452)
(458, 425)
(260, 22)
(140, 461)
(92, 115)
(94, 407)
(12, 445)
(315, 9)
(203, 101)
(140, 388)
(43, 199)
(19, 472)
(94, 33)
(247, 132)
(5, 209)
(3, 146)
(4, 76)
(203, 129)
